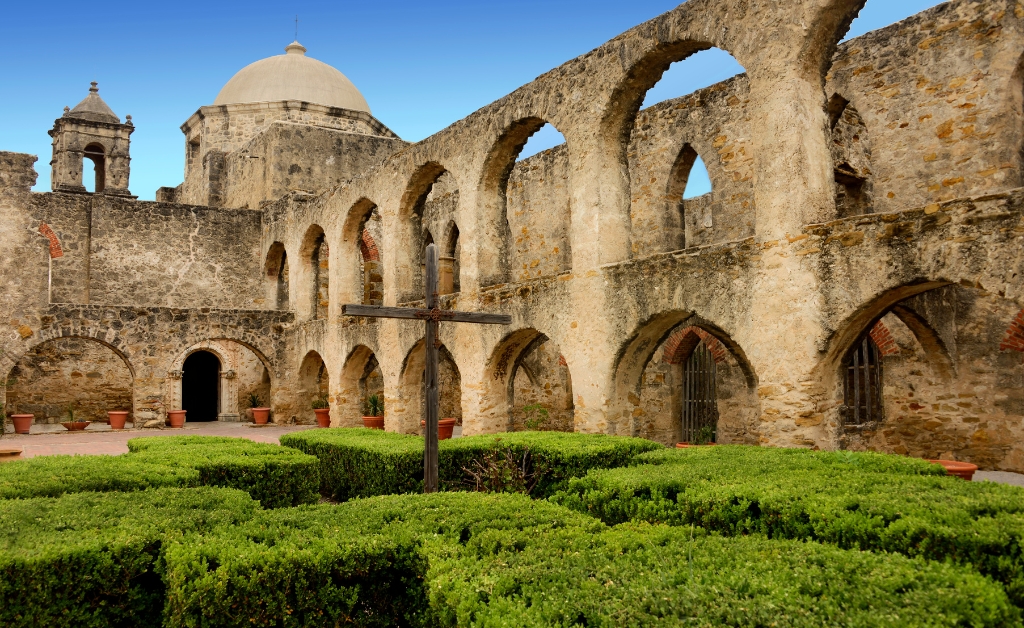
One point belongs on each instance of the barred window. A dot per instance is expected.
(863, 383)
(700, 394)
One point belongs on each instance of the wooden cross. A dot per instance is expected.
(433, 315)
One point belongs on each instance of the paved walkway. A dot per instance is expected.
(99, 439)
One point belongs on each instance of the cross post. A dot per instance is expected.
(432, 315)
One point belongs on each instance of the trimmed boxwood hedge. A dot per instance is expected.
(208, 557)
(277, 476)
(358, 462)
(92, 559)
(858, 501)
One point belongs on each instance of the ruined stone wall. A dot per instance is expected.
(538, 215)
(543, 379)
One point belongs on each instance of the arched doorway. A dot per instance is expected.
(200, 386)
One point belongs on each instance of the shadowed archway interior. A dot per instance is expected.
(200, 386)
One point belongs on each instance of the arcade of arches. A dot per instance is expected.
(852, 277)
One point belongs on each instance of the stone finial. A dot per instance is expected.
(67, 110)
(94, 89)
(128, 120)
(295, 48)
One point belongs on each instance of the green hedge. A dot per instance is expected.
(357, 462)
(277, 476)
(208, 557)
(853, 501)
(92, 559)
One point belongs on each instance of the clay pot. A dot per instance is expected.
(445, 427)
(323, 417)
(260, 416)
(176, 418)
(373, 422)
(689, 446)
(77, 426)
(6, 455)
(964, 470)
(117, 419)
(22, 423)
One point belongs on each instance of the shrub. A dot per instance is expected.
(357, 462)
(864, 502)
(277, 476)
(92, 559)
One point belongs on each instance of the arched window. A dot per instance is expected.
(863, 383)
(690, 187)
(369, 256)
(319, 255)
(851, 156)
(276, 271)
(96, 154)
(449, 262)
(700, 396)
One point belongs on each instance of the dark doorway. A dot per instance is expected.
(200, 386)
(700, 397)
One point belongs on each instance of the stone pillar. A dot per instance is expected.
(229, 397)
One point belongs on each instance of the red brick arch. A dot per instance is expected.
(55, 248)
(368, 247)
(1014, 338)
(884, 340)
(681, 344)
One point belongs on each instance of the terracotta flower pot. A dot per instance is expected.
(8, 454)
(323, 417)
(22, 423)
(260, 416)
(964, 470)
(176, 418)
(373, 422)
(445, 427)
(689, 446)
(117, 419)
(77, 426)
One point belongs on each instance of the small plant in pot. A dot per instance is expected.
(74, 424)
(374, 418)
(705, 437)
(322, 408)
(260, 415)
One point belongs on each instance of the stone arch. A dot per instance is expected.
(410, 410)
(314, 282)
(314, 380)
(413, 228)
(506, 370)
(276, 279)
(685, 220)
(450, 260)
(241, 363)
(360, 377)
(647, 395)
(359, 256)
(94, 385)
(97, 154)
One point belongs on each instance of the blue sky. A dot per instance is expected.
(420, 65)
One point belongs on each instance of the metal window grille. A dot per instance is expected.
(863, 385)
(700, 394)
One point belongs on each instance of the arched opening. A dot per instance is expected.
(314, 384)
(530, 387)
(276, 273)
(316, 253)
(361, 377)
(862, 384)
(360, 265)
(690, 189)
(369, 261)
(79, 373)
(526, 199)
(681, 379)
(200, 387)
(430, 203)
(851, 157)
(97, 155)
(449, 263)
(691, 73)
(449, 384)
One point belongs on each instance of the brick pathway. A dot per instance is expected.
(46, 440)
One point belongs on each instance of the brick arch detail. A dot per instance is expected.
(56, 250)
(681, 344)
(368, 247)
(883, 339)
(1014, 338)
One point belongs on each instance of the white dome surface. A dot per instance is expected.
(292, 76)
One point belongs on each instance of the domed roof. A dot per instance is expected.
(292, 76)
(93, 108)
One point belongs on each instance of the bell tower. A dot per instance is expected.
(91, 131)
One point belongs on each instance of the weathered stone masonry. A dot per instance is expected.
(868, 190)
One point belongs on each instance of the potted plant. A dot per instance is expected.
(322, 409)
(260, 415)
(74, 424)
(445, 428)
(117, 419)
(374, 418)
(22, 423)
(705, 437)
(962, 470)
(176, 418)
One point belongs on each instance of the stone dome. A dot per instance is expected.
(292, 76)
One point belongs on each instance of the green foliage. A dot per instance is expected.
(277, 476)
(255, 401)
(71, 415)
(535, 415)
(705, 435)
(861, 501)
(357, 462)
(375, 405)
(93, 559)
(320, 402)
